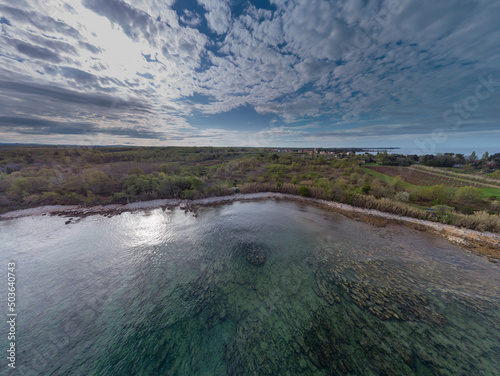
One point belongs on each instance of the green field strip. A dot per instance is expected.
(376, 174)
(212, 166)
(488, 192)
(384, 177)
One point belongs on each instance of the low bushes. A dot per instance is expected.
(304, 191)
(479, 220)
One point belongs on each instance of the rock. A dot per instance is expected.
(255, 254)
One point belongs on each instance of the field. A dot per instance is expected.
(374, 171)
(460, 175)
(426, 178)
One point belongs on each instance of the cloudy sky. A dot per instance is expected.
(408, 73)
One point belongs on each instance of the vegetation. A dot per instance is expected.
(304, 191)
(33, 176)
(429, 176)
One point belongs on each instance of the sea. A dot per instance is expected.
(467, 151)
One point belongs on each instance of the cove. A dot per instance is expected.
(248, 288)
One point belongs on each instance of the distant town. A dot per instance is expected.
(329, 151)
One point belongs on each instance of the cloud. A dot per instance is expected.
(40, 21)
(65, 95)
(180, 45)
(135, 23)
(89, 47)
(36, 52)
(40, 126)
(292, 109)
(190, 18)
(218, 14)
(158, 64)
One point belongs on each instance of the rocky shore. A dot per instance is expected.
(482, 243)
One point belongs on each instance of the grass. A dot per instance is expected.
(213, 167)
(384, 177)
(376, 174)
(488, 192)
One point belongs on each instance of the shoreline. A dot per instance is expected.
(482, 243)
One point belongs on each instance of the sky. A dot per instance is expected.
(421, 74)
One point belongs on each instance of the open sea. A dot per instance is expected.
(466, 151)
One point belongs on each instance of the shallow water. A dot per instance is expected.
(254, 288)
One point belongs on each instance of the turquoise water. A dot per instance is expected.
(255, 288)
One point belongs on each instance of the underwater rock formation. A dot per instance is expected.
(256, 254)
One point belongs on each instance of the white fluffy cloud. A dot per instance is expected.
(218, 14)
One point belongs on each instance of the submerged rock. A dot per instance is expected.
(256, 254)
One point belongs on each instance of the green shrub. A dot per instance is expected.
(304, 191)
(71, 198)
(50, 198)
(196, 183)
(99, 183)
(31, 185)
(469, 196)
(91, 199)
(365, 189)
(4, 184)
(119, 198)
(187, 194)
(439, 193)
(467, 210)
(397, 184)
